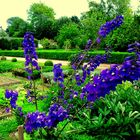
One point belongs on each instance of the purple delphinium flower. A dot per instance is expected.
(108, 27)
(35, 121)
(56, 114)
(12, 95)
(78, 59)
(30, 54)
(98, 40)
(88, 45)
(38, 120)
(110, 78)
(58, 75)
(135, 47)
(7, 110)
(20, 112)
(93, 63)
(73, 94)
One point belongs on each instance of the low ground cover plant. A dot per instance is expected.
(82, 98)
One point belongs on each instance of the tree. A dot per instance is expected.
(3, 33)
(101, 12)
(61, 21)
(92, 20)
(75, 19)
(72, 33)
(115, 7)
(17, 27)
(42, 19)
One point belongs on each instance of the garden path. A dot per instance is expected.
(101, 67)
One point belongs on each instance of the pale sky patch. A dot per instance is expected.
(12, 8)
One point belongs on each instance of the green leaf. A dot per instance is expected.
(131, 114)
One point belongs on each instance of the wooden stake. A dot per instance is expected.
(20, 132)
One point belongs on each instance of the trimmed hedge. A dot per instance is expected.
(14, 60)
(12, 43)
(116, 57)
(48, 63)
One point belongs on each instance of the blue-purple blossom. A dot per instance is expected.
(135, 47)
(56, 114)
(35, 121)
(38, 120)
(30, 54)
(88, 45)
(78, 59)
(12, 95)
(58, 75)
(93, 63)
(108, 27)
(110, 78)
(7, 110)
(20, 112)
(73, 94)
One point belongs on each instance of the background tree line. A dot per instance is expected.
(72, 32)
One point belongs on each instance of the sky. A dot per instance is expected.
(11, 8)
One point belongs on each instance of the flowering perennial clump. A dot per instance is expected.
(30, 54)
(98, 86)
(37, 120)
(12, 95)
(34, 121)
(56, 114)
(109, 78)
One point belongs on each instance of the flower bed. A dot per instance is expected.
(102, 105)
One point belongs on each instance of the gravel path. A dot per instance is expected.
(101, 67)
(40, 60)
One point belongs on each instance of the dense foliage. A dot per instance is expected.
(72, 32)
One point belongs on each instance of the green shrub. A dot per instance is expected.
(48, 76)
(44, 42)
(71, 35)
(49, 44)
(3, 58)
(67, 44)
(48, 63)
(22, 73)
(47, 68)
(14, 60)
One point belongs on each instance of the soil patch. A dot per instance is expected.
(4, 81)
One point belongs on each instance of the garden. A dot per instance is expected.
(94, 96)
